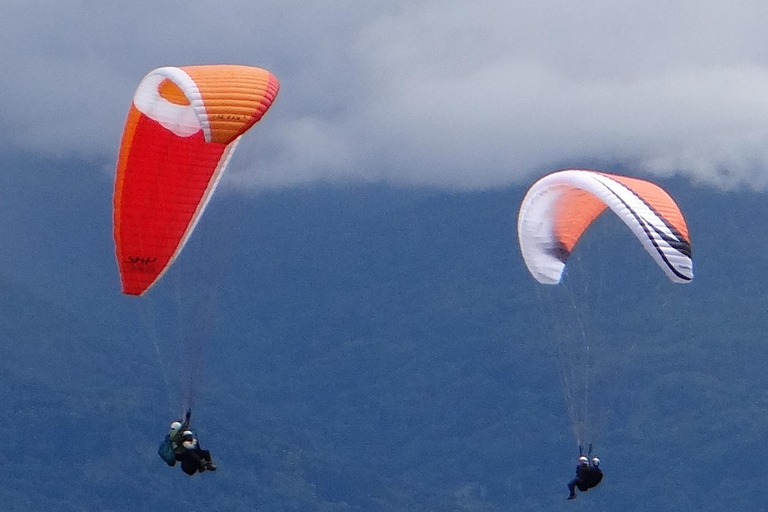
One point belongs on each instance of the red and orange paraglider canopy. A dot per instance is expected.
(181, 130)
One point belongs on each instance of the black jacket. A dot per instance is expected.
(593, 476)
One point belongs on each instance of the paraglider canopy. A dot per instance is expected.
(561, 206)
(180, 132)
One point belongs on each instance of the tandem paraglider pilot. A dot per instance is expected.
(588, 475)
(181, 445)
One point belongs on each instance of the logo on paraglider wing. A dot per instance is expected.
(142, 263)
(226, 117)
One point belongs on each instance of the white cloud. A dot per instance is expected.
(452, 93)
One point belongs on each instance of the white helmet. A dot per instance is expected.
(187, 433)
(583, 460)
(595, 461)
(175, 425)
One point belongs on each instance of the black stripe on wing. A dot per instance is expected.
(678, 244)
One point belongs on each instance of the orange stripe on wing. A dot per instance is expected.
(575, 210)
(126, 143)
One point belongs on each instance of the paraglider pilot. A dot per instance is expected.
(180, 445)
(192, 457)
(177, 428)
(588, 475)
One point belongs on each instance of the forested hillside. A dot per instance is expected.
(378, 349)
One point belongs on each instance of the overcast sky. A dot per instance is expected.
(462, 94)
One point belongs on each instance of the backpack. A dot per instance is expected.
(165, 451)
